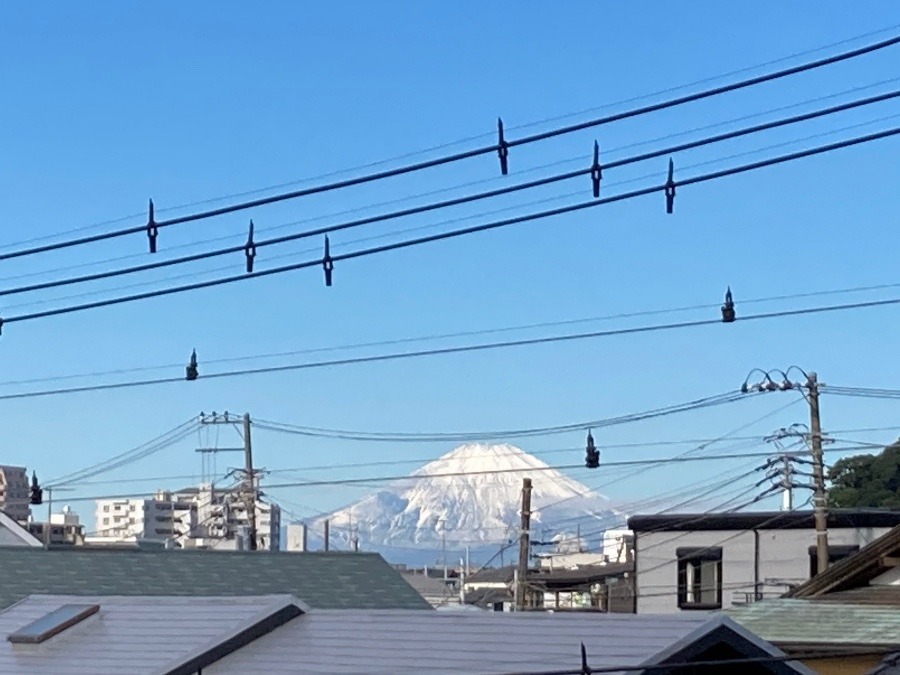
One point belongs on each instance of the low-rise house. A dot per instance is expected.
(848, 616)
(278, 634)
(431, 584)
(334, 580)
(711, 561)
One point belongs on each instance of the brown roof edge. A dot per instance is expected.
(855, 570)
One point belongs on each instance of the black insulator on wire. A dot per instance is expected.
(250, 250)
(502, 148)
(670, 188)
(728, 313)
(192, 372)
(327, 262)
(596, 171)
(152, 229)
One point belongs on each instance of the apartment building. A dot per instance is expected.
(15, 492)
(197, 517)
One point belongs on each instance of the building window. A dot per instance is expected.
(835, 554)
(106, 521)
(699, 578)
(106, 508)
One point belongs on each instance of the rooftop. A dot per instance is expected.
(333, 580)
(804, 623)
(780, 520)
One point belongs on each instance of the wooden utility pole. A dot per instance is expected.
(821, 518)
(522, 600)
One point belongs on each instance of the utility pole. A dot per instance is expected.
(251, 489)
(815, 437)
(327, 534)
(821, 519)
(524, 546)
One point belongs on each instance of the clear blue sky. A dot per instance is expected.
(107, 104)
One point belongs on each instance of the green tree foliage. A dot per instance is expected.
(866, 480)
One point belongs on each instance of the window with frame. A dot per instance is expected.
(835, 554)
(699, 577)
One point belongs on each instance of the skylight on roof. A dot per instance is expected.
(52, 624)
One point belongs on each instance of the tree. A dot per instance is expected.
(866, 480)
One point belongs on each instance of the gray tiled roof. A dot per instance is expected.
(787, 621)
(334, 580)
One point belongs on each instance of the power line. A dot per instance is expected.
(665, 187)
(467, 333)
(370, 207)
(709, 401)
(502, 147)
(394, 356)
(466, 199)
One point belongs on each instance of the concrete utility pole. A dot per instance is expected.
(821, 518)
(251, 488)
(815, 437)
(524, 546)
(327, 533)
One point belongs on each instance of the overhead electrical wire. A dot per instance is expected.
(466, 199)
(458, 334)
(665, 187)
(394, 356)
(502, 147)
(380, 480)
(706, 402)
(607, 151)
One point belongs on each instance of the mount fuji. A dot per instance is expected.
(471, 498)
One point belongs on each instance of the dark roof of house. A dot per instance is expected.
(334, 580)
(775, 520)
(493, 575)
(811, 626)
(856, 570)
(586, 574)
(866, 595)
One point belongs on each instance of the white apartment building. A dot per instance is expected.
(165, 517)
(223, 521)
(200, 517)
(15, 492)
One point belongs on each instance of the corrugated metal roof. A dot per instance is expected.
(128, 635)
(334, 580)
(462, 643)
(785, 621)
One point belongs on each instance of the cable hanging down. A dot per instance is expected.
(703, 178)
(503, 145)
(595, 171)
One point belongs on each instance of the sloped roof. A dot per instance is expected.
(333, 580)
(482, 643)
(171, 636)
(13, 534)
(788, 621)
(854, 571)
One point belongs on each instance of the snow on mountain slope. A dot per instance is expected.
(437, 506)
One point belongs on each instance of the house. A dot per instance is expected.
(598, 587)
(280, 634)
(829, 636)
(431, 585)
(13, 534)
(710, 561)
(335, 580)
(853, 608)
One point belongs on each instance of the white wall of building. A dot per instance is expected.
(15, 492)
(783, 559)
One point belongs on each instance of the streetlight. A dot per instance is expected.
(810, 388)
